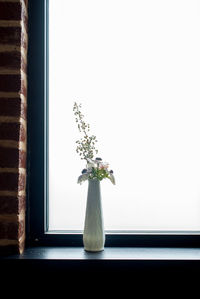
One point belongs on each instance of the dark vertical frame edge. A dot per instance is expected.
(36, 116)
(46, 117)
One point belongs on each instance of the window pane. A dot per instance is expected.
(135, 67)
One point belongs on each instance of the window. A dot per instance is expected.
(135, 68)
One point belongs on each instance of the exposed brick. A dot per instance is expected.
(22, 136)
(9, 181)
(23, 112)
(22, 159)
(24, 15)
(21, 228)
(21, 182)
(12, 158)
(10, 131)
(23, 65)
(9, 230)
(10, 11)
(12, 204)
(25, 20)
(10, 35)
(21, 245)
(8, 205)
(24, 40)
(9, 157)
(21, 203)
(26, 3)
(13, 37)
(12, 107)
(12, 230)
(10, 60)
(12, 181)
(23, 88)
(11, 83)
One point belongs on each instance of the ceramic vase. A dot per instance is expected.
(93, 235)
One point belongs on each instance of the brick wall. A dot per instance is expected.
(13, 94)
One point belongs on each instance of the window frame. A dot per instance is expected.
(37, 165)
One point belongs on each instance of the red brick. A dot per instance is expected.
(12, 204)
(21, 182)
(23, 88)
(26, 3)
(24, 40)
(21, 246)
(12, 230)
(10, 35)
(23, 112)
(21, 228)
(8, 204)
(10, 60)
(21, 203)
(22, 136)
(9, 230)
(10, 83)
(10, 11)
(12, 107)
(12, 181)
(9, 131)
(11, 157)
(12, 131)
(23, 65)
(9, 181)
(22, 159)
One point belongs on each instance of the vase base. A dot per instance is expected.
(93, 250)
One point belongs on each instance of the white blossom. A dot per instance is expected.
(112, 178)
(83, 177)
(86, 148)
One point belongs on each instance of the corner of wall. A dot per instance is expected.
(13, 137)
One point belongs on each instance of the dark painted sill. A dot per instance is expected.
(109, 254)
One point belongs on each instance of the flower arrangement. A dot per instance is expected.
(86, 148)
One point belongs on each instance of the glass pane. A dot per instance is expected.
(135, 67)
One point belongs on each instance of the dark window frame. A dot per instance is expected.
(37, 166)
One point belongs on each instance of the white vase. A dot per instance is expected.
(93, 235)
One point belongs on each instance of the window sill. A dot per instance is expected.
(113, 254)
(116, 269)
(123, 264)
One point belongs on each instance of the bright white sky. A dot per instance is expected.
(135, 67)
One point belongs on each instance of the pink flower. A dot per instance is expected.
(103, 165)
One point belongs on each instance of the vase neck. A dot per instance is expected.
(94, 181)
